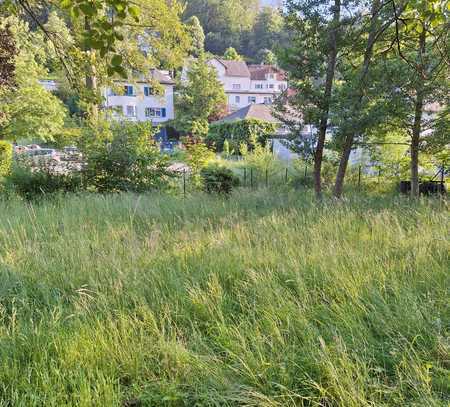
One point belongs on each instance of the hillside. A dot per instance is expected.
(264, 299)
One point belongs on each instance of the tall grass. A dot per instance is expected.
(264, 299)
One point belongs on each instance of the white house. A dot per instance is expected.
(137, 101)
(249, 84)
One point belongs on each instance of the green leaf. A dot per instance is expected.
(87, 9)
(116, 60)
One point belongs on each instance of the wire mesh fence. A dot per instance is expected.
(358, 178)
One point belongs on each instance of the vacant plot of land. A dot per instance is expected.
(265, 299)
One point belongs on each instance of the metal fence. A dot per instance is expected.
(253, 178)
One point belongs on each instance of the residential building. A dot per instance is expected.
(249, 84)
(138, 101)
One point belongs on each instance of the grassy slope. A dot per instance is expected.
(263, 300)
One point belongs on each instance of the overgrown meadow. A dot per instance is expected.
(262, 299)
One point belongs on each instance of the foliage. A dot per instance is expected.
(28, 110)
(231, 55)
(304, 303)
(239, 132)
(200, 98)
(33, 181)
(197, 34)
(224, 22)
(218, 179)
(8, 51)
(198, 155)
(6, 157)
(127, 161)
(267, 57)
(259, 157)
(268, 33)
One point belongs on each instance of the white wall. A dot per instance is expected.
(140, 101)
(233, 105)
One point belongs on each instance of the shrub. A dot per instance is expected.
(218, 179)
(239, 132)
(198, 155)
(6, 154)
(126, 161)
(31, 182)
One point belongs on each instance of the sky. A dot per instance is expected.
(270, 2)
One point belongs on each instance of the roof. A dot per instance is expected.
(235, 68)
(259, 72)
(162, 77)
(253, 111)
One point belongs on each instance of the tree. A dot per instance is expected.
(422, 37)
(8, 52)
(311, 60)
(357, 90)
(110, 39)
(29, 111)
(232, 55)
(197, 34)
(225, 22)
(201, 98)
(267, 32)
(405, 49)
(267, 57)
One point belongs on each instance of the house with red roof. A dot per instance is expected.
(246, 84)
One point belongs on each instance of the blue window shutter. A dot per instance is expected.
(146, 90)
(163, 112)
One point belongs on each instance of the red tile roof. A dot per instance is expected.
(259, 72)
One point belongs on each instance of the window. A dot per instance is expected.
(252, 99)
(131, 111)
(270, 76)
(112, 93)
(267, 100)
(282, 86)
(129, 91)
(237, 99)
(271, 86)
(155, 112)
(258, 85)
(236, 86)
(148, 91)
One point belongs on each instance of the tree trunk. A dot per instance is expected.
(349, 138)
(331, 66)
(417, 125)
(91, 79)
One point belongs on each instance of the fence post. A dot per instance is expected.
(267, 178)
(359, 177)
(442, 178)
(286, 176)
(245, 177)
(306, 170)
(251, 177)
(184, 183)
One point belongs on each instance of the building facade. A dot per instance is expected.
(138, 101)
(249, 84)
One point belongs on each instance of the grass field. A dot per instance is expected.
(265, 299)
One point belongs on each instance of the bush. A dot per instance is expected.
(239, 132)
(127, 161)
(31, 182)
(198, 155)
(218, 179)
(6, 154)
